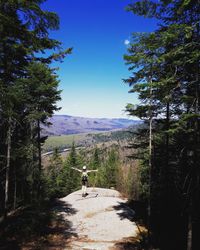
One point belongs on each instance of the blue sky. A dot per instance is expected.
(91, 78)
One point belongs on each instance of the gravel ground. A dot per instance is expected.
(99, 220)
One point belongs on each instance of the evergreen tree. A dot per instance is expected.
(165, 66)
(109, 169)
(95, 164)
(40, 88)
(71, 177)
(53, 176)
(24, 38)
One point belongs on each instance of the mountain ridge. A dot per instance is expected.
(67, 124)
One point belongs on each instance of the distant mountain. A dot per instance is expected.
(65, 124)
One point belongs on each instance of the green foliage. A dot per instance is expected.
(53, 176)
(40, 89)
(63, 141)
(164, 69)
(107, 176)
(72, 177)
(96, 160)
(60, 178)
(29, 92)
(144, 179)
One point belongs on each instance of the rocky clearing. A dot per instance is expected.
(100, 221)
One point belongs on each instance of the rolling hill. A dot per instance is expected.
(66, 124)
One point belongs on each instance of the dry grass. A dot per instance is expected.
(90, 215)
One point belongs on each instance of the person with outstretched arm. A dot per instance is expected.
(84, 178)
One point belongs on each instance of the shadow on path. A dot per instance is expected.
(34, 228)
(134, 211)
(125, 211)
(88, 197)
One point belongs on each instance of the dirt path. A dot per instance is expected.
(99, 221)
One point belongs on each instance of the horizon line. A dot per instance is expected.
(82, 116)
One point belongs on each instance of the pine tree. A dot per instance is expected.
(70, 177)
(109, 170)
(24, 38)
(53, 176)
(170, 58)
(40, 88)
(95, 164)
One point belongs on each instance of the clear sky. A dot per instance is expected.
(99, 32)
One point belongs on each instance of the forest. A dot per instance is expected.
(164, 71)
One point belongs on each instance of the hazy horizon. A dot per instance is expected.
(81, 116)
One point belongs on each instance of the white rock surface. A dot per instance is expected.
(98, 219)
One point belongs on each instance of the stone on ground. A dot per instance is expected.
(99, 220)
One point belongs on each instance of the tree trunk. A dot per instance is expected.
(39, 159)
(196, 174)
(189, 234)
(15, 189)
(9, 134)
(150, 161)
(39, 147)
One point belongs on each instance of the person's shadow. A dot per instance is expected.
(88, 196)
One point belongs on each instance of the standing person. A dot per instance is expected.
(84, 178)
